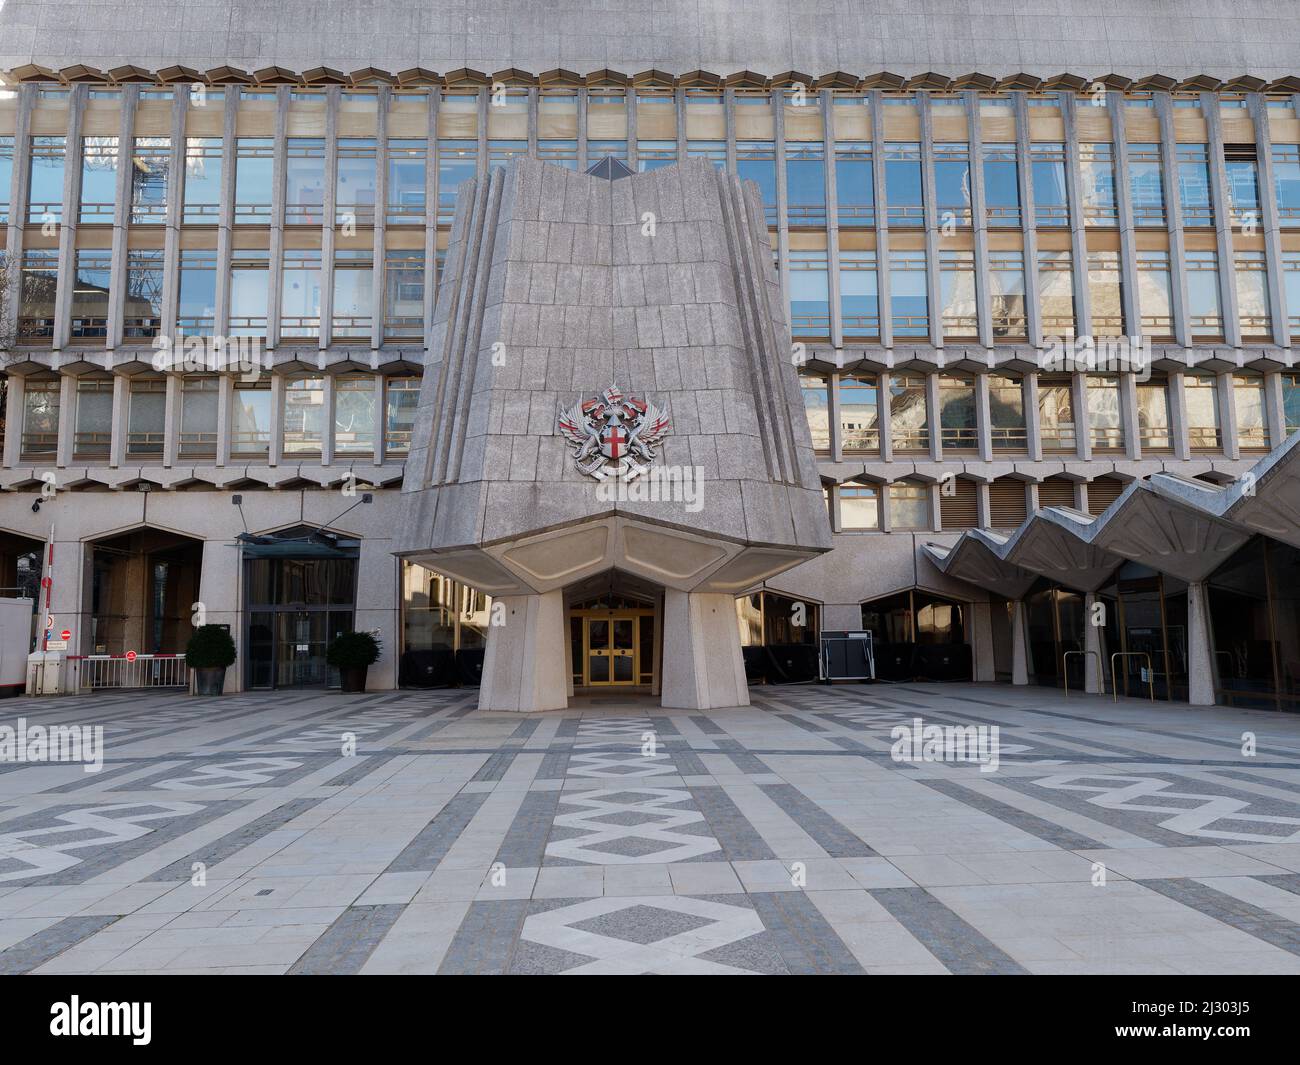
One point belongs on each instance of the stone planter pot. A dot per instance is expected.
(209, 681)
(353, 678)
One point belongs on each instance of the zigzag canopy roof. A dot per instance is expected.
(1181, 527)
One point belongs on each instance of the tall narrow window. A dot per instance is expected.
(1203, 307)
(816, 405)
(952, 185)
(406, 182)
(90, 293)
(859, 299)
(557, 127)
(142, 313)
(904, 199)
(1286, 183)
(93, 430)
(300, 295)
(197, 301)
(855, 191)
(1051, 196)
(1056, 414)
(909, 426)
(41, 396)
(45, 180)
(304, 181)
(909, 303)
(756, 162)
(1056, 294)
(1146, 185)
(6, 176)
(809, 297)
(1194, 185)
(1201, 397)
(859, 413)
(1007, 413)
(401, 397)
(1291, 402)
(250, 419)
(1105, 426)
(354, 414)
(249, 284)
(38, 285)
(201, 189)
(957, 290)
(1155, 298)
(146, 417)
(1252, 294)
(151, 161)
(606, 125)
(355, 182)
(304, 416)
(254, 166)
(98, 180)
(353, 294)
(1001, 186)
(1106, 290)
(958, 422)
(457, 163)
(200, 394)
(1153, 416)
(1243, 184)
(404, 293)
(1007, 295)
(805, 177)
(1248, 404)
(1291, 287)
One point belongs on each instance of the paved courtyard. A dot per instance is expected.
(235, 835)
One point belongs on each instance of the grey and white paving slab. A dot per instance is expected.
(244, 834)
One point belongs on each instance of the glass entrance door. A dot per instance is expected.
(610, 650)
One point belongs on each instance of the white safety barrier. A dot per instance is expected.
(140, 671)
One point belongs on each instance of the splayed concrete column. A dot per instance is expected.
(703, 666)
(524, 664)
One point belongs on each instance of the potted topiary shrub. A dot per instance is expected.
(351, 653)
(208, 653)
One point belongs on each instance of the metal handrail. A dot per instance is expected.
(1114, 682)
(1065, 673)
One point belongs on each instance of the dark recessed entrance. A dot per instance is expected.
(300, 591)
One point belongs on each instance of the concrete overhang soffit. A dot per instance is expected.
(1168, 532)
(1267, 499)
(973, 560)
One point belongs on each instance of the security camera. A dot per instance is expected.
(36, 507)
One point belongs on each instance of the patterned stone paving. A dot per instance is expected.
(406, 832)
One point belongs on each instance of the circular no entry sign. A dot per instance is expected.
(66, 634)
(130, 656)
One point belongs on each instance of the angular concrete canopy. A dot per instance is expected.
(1181, 527)
(557, 286)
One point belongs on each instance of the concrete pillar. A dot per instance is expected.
(1033, 311)
(1019, 642)
(1200, 661)
(524, 665)
(219, 592)
(702, 641)
(1091, 645)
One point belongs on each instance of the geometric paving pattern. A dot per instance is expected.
(407, 833)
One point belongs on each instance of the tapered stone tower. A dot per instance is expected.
(611, 397)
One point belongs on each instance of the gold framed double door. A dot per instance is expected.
(613, 648)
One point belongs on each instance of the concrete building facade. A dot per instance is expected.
(1037, 286)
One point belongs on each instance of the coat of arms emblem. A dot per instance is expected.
(613, 435)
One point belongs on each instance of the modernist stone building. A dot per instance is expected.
(821, 279)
